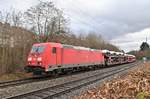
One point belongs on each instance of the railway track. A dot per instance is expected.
(20, 81)
(57, 90)
(30, 80)
(33, 79)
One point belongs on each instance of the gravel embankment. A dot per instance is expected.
(134, 85)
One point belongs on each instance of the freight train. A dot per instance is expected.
(53, 57)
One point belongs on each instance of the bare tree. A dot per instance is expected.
(7, 18)
(45, 18)
(17, 18)
(13, 17)
(1, 16)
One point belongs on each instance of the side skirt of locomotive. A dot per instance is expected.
(38, 70)
(74, 66)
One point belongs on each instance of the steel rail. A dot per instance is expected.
(66, 87)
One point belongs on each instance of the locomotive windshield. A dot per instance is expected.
(38, 49)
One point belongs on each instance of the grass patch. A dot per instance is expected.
(14, 76)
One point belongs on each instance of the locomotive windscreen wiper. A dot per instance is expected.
(38, 49)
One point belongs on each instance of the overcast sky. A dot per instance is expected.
(124, 23)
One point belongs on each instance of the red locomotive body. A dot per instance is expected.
(81, 56)
(45, 57)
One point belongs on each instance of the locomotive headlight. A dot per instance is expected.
(39, 59)
(29, 59)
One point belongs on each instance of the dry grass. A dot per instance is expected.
(14, 76)
(135, 85)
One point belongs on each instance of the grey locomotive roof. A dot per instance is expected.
(79, 47)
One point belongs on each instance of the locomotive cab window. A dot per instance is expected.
(37, 49)
(54, 50)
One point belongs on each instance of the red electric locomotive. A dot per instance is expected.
(46, 57)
